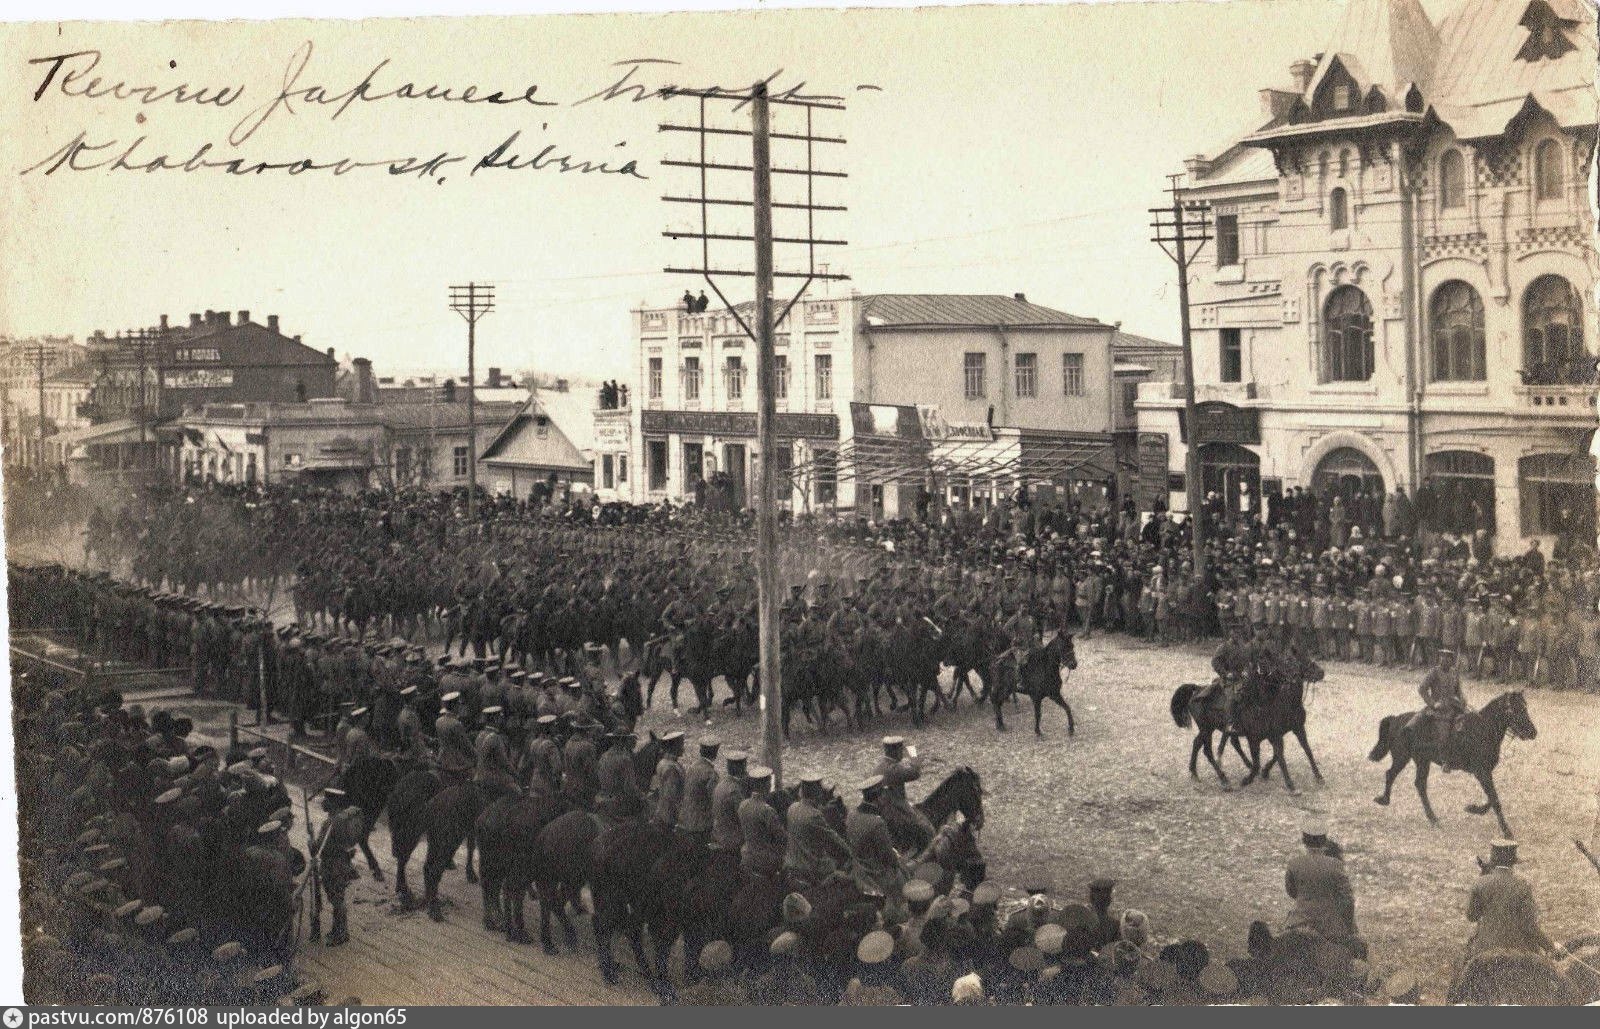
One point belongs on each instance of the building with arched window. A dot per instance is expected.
(1410, 254)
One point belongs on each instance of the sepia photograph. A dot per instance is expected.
(1033, 504)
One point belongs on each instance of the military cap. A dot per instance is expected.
(716, 955)
(784, 943)
(735, 757)
(333, 791)
(240, 768)
(758, 773)
(796, 908)
(894, 741)
(711, 743)
(492, 711)
(228, 951)
(114, 864)
(1048, 938)
(451, 697)
(182, 936)
(257, 753)
(811, 779)
(569, 682)
(672, 737)
(519, 676)
(1314, 831)
(547, 720)
(870, 785)
(169, 796)
(918, 891)
(359, 712)
(875, 948)
(347, 706)
(128, 908)
(409, 691)
(269, 827)
(150, 915)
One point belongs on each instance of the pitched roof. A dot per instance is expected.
(1130, 341)
(1390, 44)
(526, 443)
(1480, 84)
(573, 412)
(77, 374)
(248, 344)
(946, 310)
(442, 415)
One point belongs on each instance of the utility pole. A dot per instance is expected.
(472, 302)
(38, 356)
(762, 326)
(766, 442)
(1171, 227)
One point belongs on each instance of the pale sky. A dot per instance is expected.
(1004, 150)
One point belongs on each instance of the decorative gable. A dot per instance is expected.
(1338, 95)
(1546, 40)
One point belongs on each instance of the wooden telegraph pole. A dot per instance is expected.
(766, 319)
(1171, 226)
(472, 302)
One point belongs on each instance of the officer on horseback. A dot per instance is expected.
(666, 786)
(541, 763)
(898, 766)
(618, 796)
(1232, 663)
(457, 755)
(1445, 705)
(494, 774)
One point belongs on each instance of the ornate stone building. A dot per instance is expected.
(1399, 291)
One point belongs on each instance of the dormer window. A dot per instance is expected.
(1341, 97)
(1545, 38)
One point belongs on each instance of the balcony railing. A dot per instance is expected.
(1578, 372)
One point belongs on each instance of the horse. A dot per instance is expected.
(406, 809)
(1474, 748)
(368, 783)
(1297, 966)
(508, 833)
(1268, 719)
(449, 817)
(962, 790)
(1308, 671)
(562, 861)
(628, 705)
(1038, 678)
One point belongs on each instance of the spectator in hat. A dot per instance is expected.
(1501, 904)
(815, 852)
(868, 836)
(1323, 899)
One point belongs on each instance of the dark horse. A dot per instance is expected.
(961, 790)
(1474, 748)
(508, 837)
(1038, 679)
(1264, 712)
(369, 782)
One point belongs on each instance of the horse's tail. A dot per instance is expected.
(1381, 750)
(1180, 704)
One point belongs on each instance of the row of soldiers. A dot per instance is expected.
(1540, 642)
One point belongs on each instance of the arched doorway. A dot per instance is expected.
(1348, 473)
(1233, 473)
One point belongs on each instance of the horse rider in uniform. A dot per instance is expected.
(666, 786)
(541, 762)
(699, 784)
(1324, 902)
(730, 791)
(899, 766)
(815, 852)
(457, 755)
(580, 763)
(619, 796)
(358, 745)
(868, 836)
(1445, 705)
(335, 849)
(494, 774)
(761, 828)
(1232, 664)
(408, 727)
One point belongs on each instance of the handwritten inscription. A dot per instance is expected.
(79, 75)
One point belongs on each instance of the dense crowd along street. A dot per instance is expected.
(524, 727)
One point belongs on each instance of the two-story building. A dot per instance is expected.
(1395, 295)
(879, 398)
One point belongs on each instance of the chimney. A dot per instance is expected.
(1300, 72)
(494, 377)
(1277, 103)
(164, 325)
(224, 318)
(366, 389)
(1021, 297)
(272, 322)
(194, 320)
(1197, 165)
(244, 317)
(449, 391)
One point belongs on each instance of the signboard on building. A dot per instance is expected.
(787, 425)
(937, 430)
(1152, 483)
(886, 421)
(612, 434)
(198, 378)
(1220, 422)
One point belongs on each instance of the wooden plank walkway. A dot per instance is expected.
(398, 958)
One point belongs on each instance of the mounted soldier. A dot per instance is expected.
(898, 766)
(457, 756)
(494, 774)
(619, 797)
(1445, 705)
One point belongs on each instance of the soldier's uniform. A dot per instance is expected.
(618, 796)
(729, 793)
(868, 836)
(336, 848)
(765, 840)
(666, 787)
(457, 755)
(494, 774)
(541, 762)
(695, 813)
(579, 768)
(814, 852)
(896, 772)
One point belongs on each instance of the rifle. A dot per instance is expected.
(313, 852)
